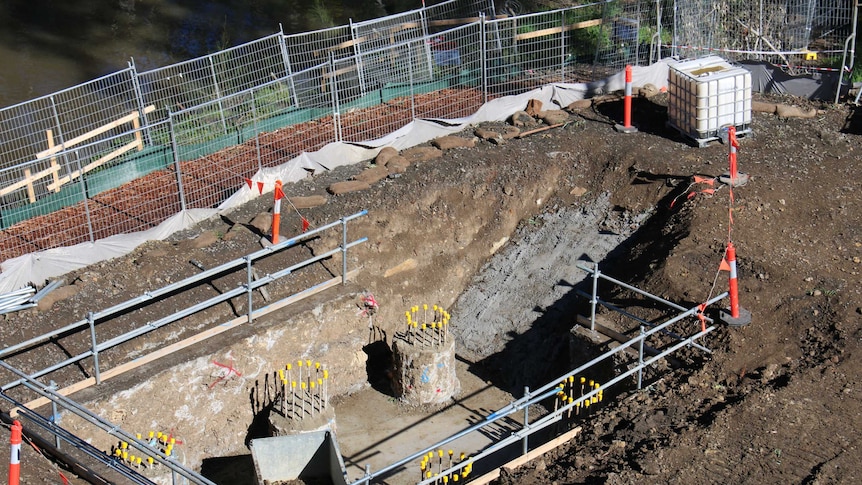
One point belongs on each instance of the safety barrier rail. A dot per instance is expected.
(542, 394)
(251, 284)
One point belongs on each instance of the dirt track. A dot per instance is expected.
(777, 401)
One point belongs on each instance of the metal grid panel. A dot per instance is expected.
(310, 49)
(69, 117)
(793, 33)
(249, 65)
(619, 34)
(254, 134)
(458, 79)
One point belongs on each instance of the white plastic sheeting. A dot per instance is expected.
(42, 265)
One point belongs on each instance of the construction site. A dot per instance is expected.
(507, 278)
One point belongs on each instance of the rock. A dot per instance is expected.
(384, 155)
(372, 174)
(648, 90)
(308, 202)
(208, 238)
(405, 265)
(339, 188)
(554, 116)
(521, 118)
(397, 164)
(534, 107)
(486, 134)
(786, 111)
(761, 107)
(421, 154)
(511, 132)
(452, 141)
(262, 222)
(56, 295)
(234, 231)
(579, 105)
(578, 191)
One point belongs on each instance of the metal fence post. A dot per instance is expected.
(55, 415)
(92, 322)
(83, 185)
(410, 78)
(333, 84)
(525, 444)
(483, 55)
(343, 250)
(641, 358)
(562, 46)
(256, 131)
(285, 56)
(595, 298)
(217, 93)
(139, 100)
(250, 275)
(174, 147)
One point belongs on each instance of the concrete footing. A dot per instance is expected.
(424, 374)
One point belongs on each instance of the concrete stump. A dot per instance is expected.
(296, 419)
(424, 370)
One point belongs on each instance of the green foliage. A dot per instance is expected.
(319, 16)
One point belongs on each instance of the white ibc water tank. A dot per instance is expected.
(707, 94)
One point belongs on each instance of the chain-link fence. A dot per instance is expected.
(66, 158)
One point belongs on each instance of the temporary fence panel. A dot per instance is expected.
(255, 131)
(797, 34)
(457, 85)
(309, 49)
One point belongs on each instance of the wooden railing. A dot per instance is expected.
(54, 169)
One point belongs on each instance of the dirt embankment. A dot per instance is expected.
(777, 399)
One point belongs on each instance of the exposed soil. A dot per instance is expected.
(494, 233)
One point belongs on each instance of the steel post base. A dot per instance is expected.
(742, 320)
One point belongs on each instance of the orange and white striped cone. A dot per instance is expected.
(738, 316)
(15, 457)
(276, 211)
(733, 177)
(627, 127)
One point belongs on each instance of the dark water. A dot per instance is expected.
(46, 46)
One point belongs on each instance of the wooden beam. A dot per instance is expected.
(170, 349)
(532, 455)
(27, 181)
(93, 165)
(557, 30)
(31, 194)
(90, 134)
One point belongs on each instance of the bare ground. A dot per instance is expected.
(776, 402)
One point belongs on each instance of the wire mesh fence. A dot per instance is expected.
(64, 158)
(797, 34)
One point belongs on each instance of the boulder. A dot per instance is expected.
(761, 107)
(786, 111)
(421, 154)
(521, 118)
(534, 107)
(554, 116)
(397, 164)
(384, 155)
(339, 188)
(372, 174)
(308, 202)
(511, 132)
(486, 134)
(452, 141)
(579, 104)
(648, 90)
(262, 222)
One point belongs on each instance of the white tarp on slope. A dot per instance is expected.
(42, 265)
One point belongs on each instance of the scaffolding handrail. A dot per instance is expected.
(550, 389)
